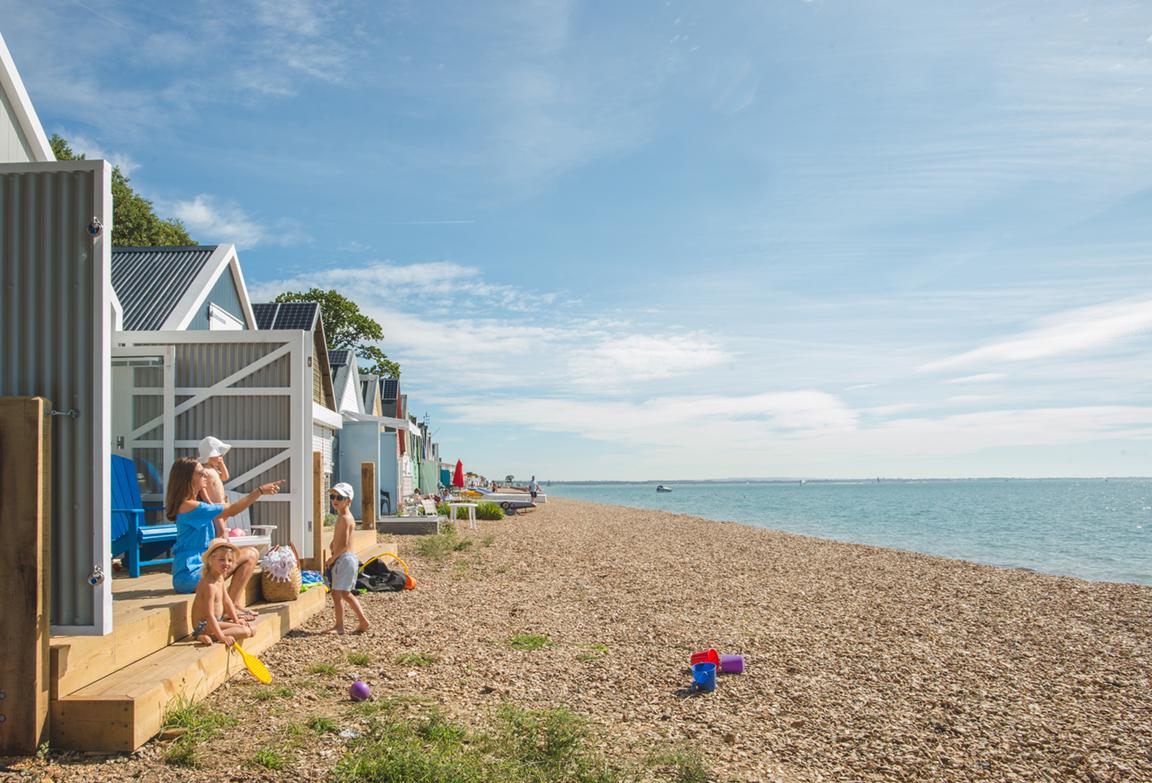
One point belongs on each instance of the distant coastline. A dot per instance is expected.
(808, 480)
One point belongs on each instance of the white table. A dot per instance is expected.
(452, 507)
(260, 541)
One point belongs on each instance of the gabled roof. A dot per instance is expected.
(296, 316)
(346, 381)
(33, 142)
(369, 389)
(162, 288)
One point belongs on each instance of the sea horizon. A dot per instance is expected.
(1090, 528)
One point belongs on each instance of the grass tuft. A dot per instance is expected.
(529, 641)
(323, 668)
(683, 765)
(200, 722)
(440, 545)
(594, 652)
(415, 659)
(322, 724)
(270, 758)
(359, 658)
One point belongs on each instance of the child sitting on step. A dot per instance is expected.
(214, 616)
(343, 561)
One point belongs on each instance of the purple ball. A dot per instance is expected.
(359, 691)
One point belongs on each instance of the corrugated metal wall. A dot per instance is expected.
(230, 417)
(54, 333)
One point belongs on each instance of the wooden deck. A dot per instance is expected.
(109, 693)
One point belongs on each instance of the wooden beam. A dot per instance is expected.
(25, 483)
(318, 554)
(368, 495)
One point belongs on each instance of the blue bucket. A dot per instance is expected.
(704, 676)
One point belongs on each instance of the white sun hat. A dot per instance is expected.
(344, 490)
(213, 447)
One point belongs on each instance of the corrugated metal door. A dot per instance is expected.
(55, 329)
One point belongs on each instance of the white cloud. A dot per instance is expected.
(212, 222)
(92, 150)
(669, 421)
(624, 359)
(1071, 332)
(984, 377)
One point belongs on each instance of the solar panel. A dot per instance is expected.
(297, 316)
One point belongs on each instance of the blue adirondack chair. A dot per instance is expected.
(138, 542)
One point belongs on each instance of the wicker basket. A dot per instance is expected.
(282, 589)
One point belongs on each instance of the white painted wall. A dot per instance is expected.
(13, 147)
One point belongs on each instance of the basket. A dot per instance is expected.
(275, 589)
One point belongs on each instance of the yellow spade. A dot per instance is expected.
(255, 667)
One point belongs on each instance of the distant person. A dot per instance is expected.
(214, 614)
(343, 561)
(195, 525)
(533, 488)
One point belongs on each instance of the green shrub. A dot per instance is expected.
(486, 510)
(489, 510)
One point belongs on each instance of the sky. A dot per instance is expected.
(676, 239)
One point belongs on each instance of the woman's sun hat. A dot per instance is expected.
(213, 447)
(344, 490)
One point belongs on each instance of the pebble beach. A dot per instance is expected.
(862, 663)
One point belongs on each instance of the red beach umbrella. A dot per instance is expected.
(458, 476)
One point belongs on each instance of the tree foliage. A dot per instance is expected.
(346, 327)
(134, 221)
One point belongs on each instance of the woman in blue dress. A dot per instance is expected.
(195, 528)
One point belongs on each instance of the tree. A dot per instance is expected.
(346, 327)
(134, 221)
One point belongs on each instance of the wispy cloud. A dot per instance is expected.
(212, 220)
(984, 377)
(83, 145)
(621, 360)
(669, 421)
(1066, 333)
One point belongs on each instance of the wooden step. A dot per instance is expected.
(125, 709)
(147, 617)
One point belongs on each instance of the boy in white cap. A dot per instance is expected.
(343, 562)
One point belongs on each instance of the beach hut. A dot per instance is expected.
(55, 331)
(195, 357)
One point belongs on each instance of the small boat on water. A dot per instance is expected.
(662, 488)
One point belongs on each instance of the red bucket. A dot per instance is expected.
(706, 656)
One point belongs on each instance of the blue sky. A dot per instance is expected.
(672, 239)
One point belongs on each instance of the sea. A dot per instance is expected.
(1099, 529)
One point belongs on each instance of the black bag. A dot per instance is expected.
(375, 577)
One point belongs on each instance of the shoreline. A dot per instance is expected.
(863, 663)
